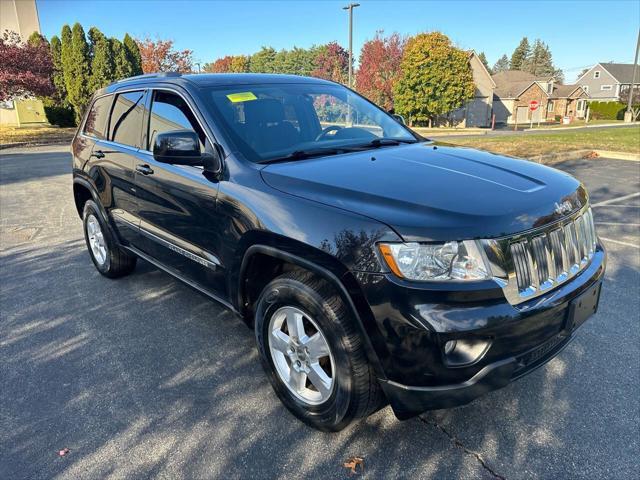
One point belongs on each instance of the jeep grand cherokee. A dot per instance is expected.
(375, 266)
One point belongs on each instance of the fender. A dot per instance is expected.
(96, 199)
(328, 276)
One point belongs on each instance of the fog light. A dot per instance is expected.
(463, 352)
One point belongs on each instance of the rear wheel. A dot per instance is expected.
(313, 353)
(107, 256)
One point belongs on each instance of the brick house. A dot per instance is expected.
(516, 89)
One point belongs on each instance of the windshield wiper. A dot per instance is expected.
(302, 154)
(380, 142)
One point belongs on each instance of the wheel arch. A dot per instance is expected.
(341, 280)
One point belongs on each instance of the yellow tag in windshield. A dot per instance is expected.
(241, 97)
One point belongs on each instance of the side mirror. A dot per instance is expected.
(182, 147)
(399, 118)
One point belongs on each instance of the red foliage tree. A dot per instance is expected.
(221, 65)
(159, 56)
(379, 68)
(25, 69)
(332, 63)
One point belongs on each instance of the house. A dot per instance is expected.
(515, 90)
(20, 16)
(606, 81)
(476, 112)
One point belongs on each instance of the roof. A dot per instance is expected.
(623, 72)
(563, 91)
(511, 83)
(212, 79)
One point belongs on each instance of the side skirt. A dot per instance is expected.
(180, 277)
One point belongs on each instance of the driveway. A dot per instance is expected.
(143, 377)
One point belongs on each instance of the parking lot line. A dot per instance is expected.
(617, 199)
(619, 242)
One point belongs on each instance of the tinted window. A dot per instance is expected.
(271, 121)
(170, 112)
(96, 123)
(126, 119)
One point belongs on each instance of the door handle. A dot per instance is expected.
(98, 154)
(144, 169)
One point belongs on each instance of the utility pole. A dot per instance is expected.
(628, 115)
(350, 7)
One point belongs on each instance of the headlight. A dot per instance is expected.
(442, 261)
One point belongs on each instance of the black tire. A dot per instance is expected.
(117, 261)
(356, 393)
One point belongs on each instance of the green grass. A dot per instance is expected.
(526, 145)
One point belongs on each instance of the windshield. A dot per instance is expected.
(289, 121)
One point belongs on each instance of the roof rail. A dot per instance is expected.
(150, 75)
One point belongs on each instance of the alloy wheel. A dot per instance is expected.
(301, 355)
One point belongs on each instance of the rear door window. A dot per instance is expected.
(127, 116)
(96, 124)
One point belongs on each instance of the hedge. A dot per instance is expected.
(607, 110)
(61, 116)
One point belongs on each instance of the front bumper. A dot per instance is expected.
(412, 325)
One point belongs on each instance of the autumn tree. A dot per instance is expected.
(160, 56)
(25, 68)
(240, 64)
(436, 78)
(379, 68)
(221, 65)
(520, 55)
(102, 61)
(331, 63)
(501, 65)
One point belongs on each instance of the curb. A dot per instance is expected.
(4, 146)
(634, 157)
(549, 158)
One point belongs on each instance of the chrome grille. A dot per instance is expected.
(543, 260)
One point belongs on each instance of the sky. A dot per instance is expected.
(579, 33)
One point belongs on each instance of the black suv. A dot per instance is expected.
(374, 265)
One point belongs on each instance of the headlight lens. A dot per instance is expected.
(442, 261)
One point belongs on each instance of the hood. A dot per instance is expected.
(430, 191)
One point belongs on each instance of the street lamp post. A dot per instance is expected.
(628, 115)
(350, 7)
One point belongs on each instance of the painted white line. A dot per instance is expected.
(619, 242)
(619, 206)
(619, 224)
(614, 200)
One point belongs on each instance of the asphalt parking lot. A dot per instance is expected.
(143, 377)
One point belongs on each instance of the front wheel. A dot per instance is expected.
(313, 353)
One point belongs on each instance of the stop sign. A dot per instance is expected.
(533, 105)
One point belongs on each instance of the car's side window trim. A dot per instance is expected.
(194, 111)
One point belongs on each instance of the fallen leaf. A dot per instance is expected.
(353, 463)
(63, 452)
